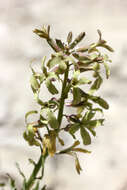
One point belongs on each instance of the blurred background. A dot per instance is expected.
(106, 167)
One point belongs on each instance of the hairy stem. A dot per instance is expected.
(63, 96)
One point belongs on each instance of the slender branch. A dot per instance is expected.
(63, 96)
(38, 166)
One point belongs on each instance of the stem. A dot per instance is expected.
(36, 170)
(63, 96)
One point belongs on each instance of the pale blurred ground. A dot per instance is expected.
(106, 167)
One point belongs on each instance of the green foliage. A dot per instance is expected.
(65, 67)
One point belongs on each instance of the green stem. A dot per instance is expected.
(38, 166)
(63, 96)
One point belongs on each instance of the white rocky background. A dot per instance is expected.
(106, 167)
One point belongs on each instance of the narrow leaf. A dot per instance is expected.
(74, 128)
(96, 85)
(100, 101)
(32, 161)
(34, 82)
(67, 150)
(88, 116)
(60, 44)
(75, 77)
(85, 136)
(52, 89)
(107, 70)
(69, 37)
(81, 150)
(84, 80)
(107, 47)
(77, 40)
(76, 95)
(77, 165)
(43, 62)
(95, 123)
(54, 61)
(52, 120)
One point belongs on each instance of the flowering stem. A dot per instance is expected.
(63, 96)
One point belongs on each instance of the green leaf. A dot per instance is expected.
(75, 77)
(32, 161)
(74, 128)
(52, 76)
(52, 120)
(100, 101)
(52, 89)
(45, 71)
(69, 59)
(42, 33)
(81, 150)
(107, 70)
(62, 66)
(98, 109)
(88, 116)
(60, 44)
(77, 40)
(67, 150)
(34, 82)
(106, 47)
(80, 110)
(96, 67)
(77, 165)
(82, 58)
(84, 80)
(76, 95)
(69, 37)
(92, 131)
(96, 85)
(40, 76)
(43, 62)
(83, 49)
(92, 48)
(29, 136)
(54, 61)
(30, 113)
(94, 56)
(94, 123)
(85, 136)
(43, 120)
